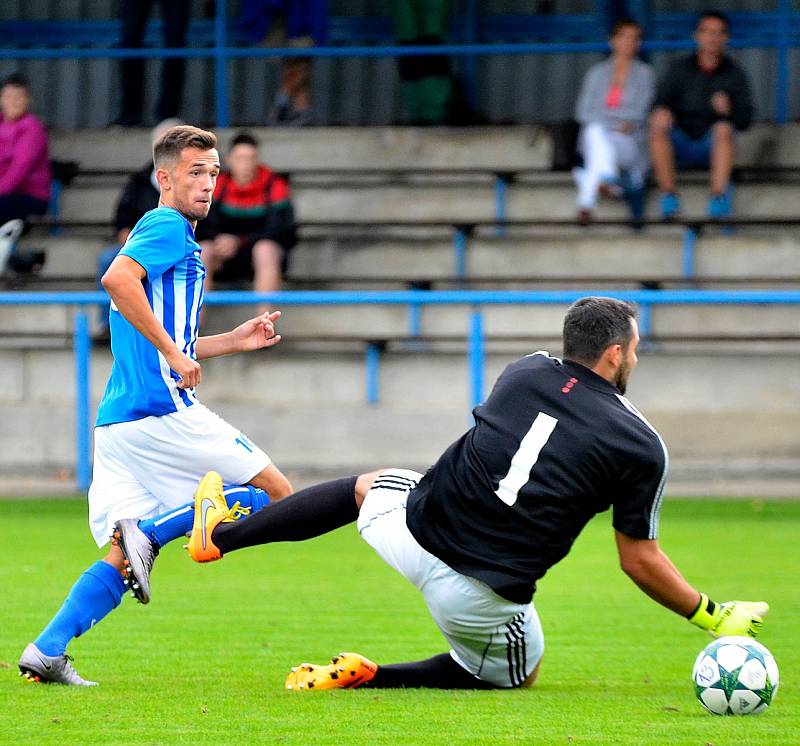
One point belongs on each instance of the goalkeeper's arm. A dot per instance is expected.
(647, 565)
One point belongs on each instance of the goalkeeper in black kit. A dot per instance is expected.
(555, 443)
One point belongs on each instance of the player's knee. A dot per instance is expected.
(530, 680)
(266, 253)
(364, 484)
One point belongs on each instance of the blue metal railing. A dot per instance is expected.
(475, 334)
(778, 30)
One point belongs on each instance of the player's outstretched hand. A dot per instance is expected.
(730, 617)
(258, 333)
(186, 368)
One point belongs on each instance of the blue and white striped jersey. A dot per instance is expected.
(141, 382)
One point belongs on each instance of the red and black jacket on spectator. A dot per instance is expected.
(261, 209)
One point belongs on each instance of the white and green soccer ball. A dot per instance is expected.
(735, 676)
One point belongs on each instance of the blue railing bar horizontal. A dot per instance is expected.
(435, 297)
(580, 47)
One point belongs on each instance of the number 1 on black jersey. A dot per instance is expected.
(525, 458)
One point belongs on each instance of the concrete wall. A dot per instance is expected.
(308, 411)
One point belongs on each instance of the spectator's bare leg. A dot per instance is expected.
(266, 268)
(722, 156)
(662, 154)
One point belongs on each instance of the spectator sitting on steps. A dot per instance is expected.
(251, 228)
(612, 109)
(25, 177)
(702, 101)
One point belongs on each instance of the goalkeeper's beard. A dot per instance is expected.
(621, 378)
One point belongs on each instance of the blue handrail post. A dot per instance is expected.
(644, 319)
(461, 234)
(54, 208)
(414, 319)
(83, 350)
(221, 63)
(476, 358)
(372, 354)
(783, 44)
(500, 184)
(688, 256)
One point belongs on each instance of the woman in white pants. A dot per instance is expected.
(613, 104)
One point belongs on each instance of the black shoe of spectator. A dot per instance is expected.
(27, 262)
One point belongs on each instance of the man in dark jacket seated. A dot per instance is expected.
(702, 101)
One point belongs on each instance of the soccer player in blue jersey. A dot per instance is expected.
(153, 437)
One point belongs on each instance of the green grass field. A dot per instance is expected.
(205, 662)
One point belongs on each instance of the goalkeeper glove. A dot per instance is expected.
(729, 618)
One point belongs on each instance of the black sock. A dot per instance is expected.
(303, 515)
(439, 672)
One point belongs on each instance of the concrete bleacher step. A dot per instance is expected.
(390, 322)
(379, 148)
(492, 148)
(618, 256)
(459, 203)
(622, 256)
(69, 255)
(349, 323)
(309, 410)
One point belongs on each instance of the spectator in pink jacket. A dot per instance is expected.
(24, 162)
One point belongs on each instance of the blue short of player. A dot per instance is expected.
(495, 639)
(691, 153)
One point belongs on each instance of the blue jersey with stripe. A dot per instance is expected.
(141, 382)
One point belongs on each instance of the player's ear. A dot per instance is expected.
(164, 179)
(614, 355)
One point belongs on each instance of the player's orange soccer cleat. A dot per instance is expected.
(210, 509)
(345, 671)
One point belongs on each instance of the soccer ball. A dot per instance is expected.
(735, 676)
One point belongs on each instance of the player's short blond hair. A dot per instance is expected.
(168, 147)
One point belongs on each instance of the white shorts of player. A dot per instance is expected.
(496, 640)
(150, 466)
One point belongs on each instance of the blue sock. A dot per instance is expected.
(165, 528)
(95, 593)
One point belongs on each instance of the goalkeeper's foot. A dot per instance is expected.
(39, 668)
(210, 509)
(345, 671)
(139, 554)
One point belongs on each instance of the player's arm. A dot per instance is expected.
(123, 282)
(650, 568)
(255, 334)
(643, 561)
